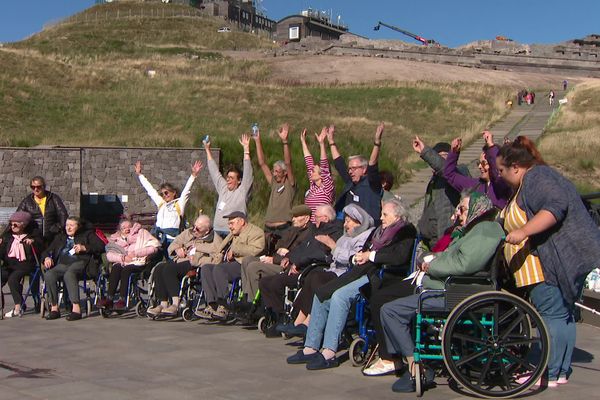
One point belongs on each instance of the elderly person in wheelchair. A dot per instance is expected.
(473, 245)
(191, 249)
(390, 244)
(128, 250)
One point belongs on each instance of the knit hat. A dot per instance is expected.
(300, 210)
(442, 146)
(20, 216)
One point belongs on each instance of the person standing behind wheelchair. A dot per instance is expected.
(47, 209)
(171, 208)
(19, 247)
(472, 247)
(128, 250)
(67, 257)
(552, 244)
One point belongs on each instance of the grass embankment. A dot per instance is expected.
(57, 91)
(571, 141)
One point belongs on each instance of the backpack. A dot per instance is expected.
(101, 235)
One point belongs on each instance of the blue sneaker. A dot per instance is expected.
(320, 362)
(301, 358)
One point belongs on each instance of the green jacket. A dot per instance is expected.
(465, 256)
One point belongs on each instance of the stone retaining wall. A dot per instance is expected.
(90, 174)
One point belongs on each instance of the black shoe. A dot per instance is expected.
(73, 316)
(272, 332)
(301, 358)
(406, 383)
(53, 315)
(297, 330)
(320, 362)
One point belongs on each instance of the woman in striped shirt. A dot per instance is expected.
(321, 187)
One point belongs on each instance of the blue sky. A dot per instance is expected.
(451, 23)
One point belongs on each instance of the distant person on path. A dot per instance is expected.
(282, 184)
(551, 97)
(551, 245)
(441, 198)
(489, 181)
(321, 188)
(48, 212)
(171, 208)
(387, 182)
(232, 189)
(532, 97)
(565, 84)
(362, 182)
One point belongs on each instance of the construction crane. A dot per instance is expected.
(425, 42)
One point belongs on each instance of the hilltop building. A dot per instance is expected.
(309, 24)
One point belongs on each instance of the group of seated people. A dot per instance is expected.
(362, 243)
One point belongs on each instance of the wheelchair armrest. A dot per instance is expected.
(483, 279)
(426, 291)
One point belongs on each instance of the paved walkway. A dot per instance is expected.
(523, 120)
(134, 358)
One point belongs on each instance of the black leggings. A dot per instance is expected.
(167, 278)
(391, 289)
(13, 273)
(121, 273)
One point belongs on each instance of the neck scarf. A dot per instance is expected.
(479, 205)
(16, 248)
(383, 236)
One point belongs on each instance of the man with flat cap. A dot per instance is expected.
(253, 268)
(244, 240)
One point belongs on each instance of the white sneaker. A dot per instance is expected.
(13, 313)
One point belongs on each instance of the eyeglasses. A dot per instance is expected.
(34, 187)
(482, 163)
(13, 224)
(230, 177)
(354, 168)
(165, 193)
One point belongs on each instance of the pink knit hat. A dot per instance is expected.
(21, 216)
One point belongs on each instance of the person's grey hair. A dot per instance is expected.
(203, 220)
(122, 221)
(398, 209)
(327, 210)
(280, 164)
(363, 161)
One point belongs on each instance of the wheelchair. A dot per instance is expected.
(62, 298)
(490, 342)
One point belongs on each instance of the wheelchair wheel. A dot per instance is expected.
(262, 324)
(492, 340)
(88, 306)
(358, 352)
(140, 309)
(418, 379)
(187, 314)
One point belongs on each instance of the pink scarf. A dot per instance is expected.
(16, 248)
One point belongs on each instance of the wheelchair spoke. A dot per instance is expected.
(485, 371)
(471, 357)
(512, 326)
(475, 321)
(465, 338)
(525, 364)
(505, 376)
(507, 315)
(521, 342)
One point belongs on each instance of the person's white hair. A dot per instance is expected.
(327, 210)
(203, 221)
(280, 164)
(397, 208)
(363, 161)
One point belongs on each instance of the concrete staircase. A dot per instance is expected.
(522, 120)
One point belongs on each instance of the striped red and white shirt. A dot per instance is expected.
(318, 195)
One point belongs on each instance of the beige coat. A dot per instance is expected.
(205, 248)
(250, 242)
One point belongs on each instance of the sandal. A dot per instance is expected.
(380, 368)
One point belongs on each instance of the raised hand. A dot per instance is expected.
(488, 138)
(196, 168)
(331, 134)
(418, 145)
(284, 132)
(303, 136)
(245, 141)
(456, 145)
(379, 132)
(322, 136)
(138, 167)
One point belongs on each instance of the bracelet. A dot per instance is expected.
(376, 144)
(246, 152)
(332, 144)
(285, 142)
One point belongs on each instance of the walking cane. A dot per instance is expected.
(593, 311)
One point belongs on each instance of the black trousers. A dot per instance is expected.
(121, 273)
(168, 276)
(272, 290)
(313, 280)
(389, 290)
(13, 274)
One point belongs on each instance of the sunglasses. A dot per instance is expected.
(482, 163)
(34, 187)
(165, 193)
(13, 224)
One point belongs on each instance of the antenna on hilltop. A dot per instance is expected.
(260, 9)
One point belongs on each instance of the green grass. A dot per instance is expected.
(84, 84)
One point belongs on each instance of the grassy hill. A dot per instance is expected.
(571, 141)
(85, 83)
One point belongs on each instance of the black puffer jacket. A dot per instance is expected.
(54, 218)
(30, 258)
(85, 235)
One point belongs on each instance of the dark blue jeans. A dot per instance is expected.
(559, 319)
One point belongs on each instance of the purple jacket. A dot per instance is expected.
(497, 190)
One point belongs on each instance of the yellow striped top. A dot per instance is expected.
(526, 267)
